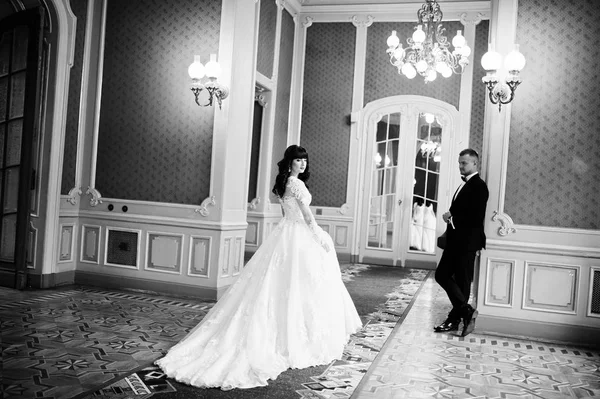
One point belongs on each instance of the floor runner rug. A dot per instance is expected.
(381, 295)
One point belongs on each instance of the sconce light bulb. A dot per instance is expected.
(213, 69)
(491, 60)
(514, 61)
(196, 69)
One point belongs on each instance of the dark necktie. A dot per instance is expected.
(464, 178)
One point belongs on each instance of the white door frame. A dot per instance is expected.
(410, 106)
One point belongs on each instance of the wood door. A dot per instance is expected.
(20, 72)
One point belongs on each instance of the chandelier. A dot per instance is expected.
(428, 53)
(212, 71)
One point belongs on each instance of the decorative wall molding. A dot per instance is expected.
(67, 238)
(356, 21)
(499, 282)
(31, 245)
(203, 210)
(308, 21)
(90, 244)
(199, 256)
(541, 289)
(164, 252)
(506, 223)
(72, 196)
(392, 12)
(593, 305)
(547, 249)
(96, 196)
(254, 203)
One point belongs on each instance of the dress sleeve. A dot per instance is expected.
(299, 190)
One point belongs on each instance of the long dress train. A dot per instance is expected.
(288, 309)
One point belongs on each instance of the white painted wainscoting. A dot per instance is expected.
(330, 219)
(544, 291)
(157, 247)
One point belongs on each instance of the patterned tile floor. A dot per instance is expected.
(69, 342)
(66, 342)
(418, 363)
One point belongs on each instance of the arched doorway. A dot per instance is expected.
(409, 152)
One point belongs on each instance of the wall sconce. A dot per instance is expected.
(502, 91)
(212, 71)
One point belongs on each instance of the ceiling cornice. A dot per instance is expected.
(392, 12)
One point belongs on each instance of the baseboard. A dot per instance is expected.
(539, 331)
(342, 257)
(420, 264)
(50, 280)
(146, 285)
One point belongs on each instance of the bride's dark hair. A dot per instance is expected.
(291, 153)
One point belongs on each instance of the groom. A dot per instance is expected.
(464, 237)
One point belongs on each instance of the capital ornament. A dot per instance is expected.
(358, 23)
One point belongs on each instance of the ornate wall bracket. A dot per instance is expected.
(344, 209)
(254, 203)
(73, 194)
(203, 210)
(96, 196)
(506, 223)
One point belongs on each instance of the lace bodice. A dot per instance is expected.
(295, 193)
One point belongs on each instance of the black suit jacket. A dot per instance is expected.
(468, 214)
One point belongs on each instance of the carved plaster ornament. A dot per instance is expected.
(203, 210)
(506, 223)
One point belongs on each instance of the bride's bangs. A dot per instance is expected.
(299, 153)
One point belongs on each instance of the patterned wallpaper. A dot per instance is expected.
(382, 79)
(553, 170)
(327, 103)
(154, 142)
(266, 37)
(79, 8)
(478, 93)
(284, 82)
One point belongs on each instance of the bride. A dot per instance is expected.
(288, 308)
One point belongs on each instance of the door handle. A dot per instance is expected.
(399, 202)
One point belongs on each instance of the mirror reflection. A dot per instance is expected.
(425, 184)
(382, 209)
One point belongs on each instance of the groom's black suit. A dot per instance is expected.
(464, 237)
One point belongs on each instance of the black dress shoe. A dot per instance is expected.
(469, 321)
(448, 325)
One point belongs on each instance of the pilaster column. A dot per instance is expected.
(233, 123)
(302, 22)
(503, 27)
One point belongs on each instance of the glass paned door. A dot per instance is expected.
(384, 186)
(408, 144)
(428, 156)
(20, 44)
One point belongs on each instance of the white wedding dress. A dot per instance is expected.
(288, 309)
